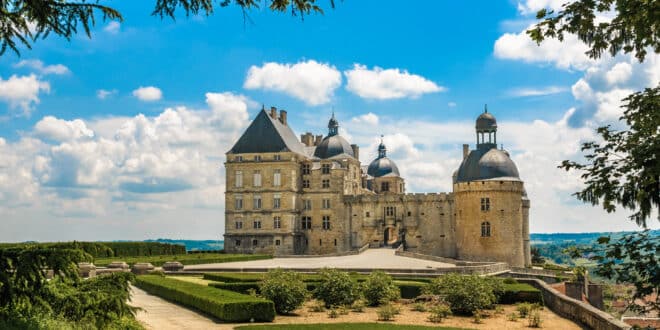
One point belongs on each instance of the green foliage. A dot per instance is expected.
(465, 293)
(285, 288)
(358, 306)
(109, 249)
(520, 292)
(386, 312)
(536, 255)
(635, 27)
(336, 288)
(509, 280)
(232, 277)
(379, 289)
(419, 307)
(524, 309)
(513, 317)
(239, 287)
(439, 312)
(410, 289)
(317, 307)
(225, 305)
(333, 313)
(186, 259)
(25, 21)
(534, 319)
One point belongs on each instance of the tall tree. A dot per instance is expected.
(22, 22)
(623, 169)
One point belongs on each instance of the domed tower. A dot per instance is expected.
(491, 205)
(384, 174)
(333, 145)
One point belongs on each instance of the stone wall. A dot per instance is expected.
(575, 310)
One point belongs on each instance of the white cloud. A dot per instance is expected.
(148, 94)
(309, 81)
(530, 91)
(533, 6)
(366, 119)
(112, 27)
(56, 129)
(451, 104)
(22, 92)
(103, 94)
(38, 66)
(385, 84)
(619, 73)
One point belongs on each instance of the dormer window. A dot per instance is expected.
(257, 158)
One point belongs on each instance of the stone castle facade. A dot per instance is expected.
(312, 196)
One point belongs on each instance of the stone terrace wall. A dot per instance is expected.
(575, 310)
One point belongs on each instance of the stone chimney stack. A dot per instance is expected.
(319, 138)
(307, 139)
(273, 112)
(466, 150)
(356, 151)
(283, 117)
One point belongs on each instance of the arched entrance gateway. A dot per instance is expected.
(390, 236)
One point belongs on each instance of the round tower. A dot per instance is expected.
(491, 205)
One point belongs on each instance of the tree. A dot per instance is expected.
(22, 22)
(624, 168)
(379, 288)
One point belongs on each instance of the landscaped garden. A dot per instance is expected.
(186, 259)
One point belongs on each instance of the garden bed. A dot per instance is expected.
(186, 259)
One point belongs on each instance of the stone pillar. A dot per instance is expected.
(172, 266)
(86, 269)
(142, 268)
(596, 296)
(574, 290)
(118, 265)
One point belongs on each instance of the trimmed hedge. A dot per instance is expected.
(257, 277)
(110, 249)
(225, 305)
(409, 289)
(520, 292)
(186, 259)
(240, 287)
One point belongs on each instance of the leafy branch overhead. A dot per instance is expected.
(23, 22)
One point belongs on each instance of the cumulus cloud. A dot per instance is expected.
(310, 81)
(383, 84)
(41, 68)
(530, 91)
(148, 94)
(112, 27)
(103, 94)
(451, 104)
(533, 6)
(62, 130)
(22, 92)
(366, 119)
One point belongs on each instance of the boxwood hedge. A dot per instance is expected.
(225, 305)
(520, 292)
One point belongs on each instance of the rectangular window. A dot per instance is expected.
(238, 202)
(257, 179)
(325, 169)
(307, 204)
(277, 178)
(277, 222)
(326, 222)
(255, 242)
(305, 183)
(239, 224)
(335, 242)
(320, 242)
(384, 186)
(257, 224)
(277, 157)
(306, 222)
(277, 242)
(239, 158)
(368, 214)
(305, 169)
(277, 200)
(326, 183)
(485, 204)
(390, 211)
(256, 202)
(239, 179)
(326, 203)
(257, 158)
(238, 242)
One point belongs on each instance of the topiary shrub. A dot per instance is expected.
(286, 289)
(465, 293)
(379, 289)
(336, 288)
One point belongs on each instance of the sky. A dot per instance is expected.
(123, 135)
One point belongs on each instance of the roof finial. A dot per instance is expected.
(263, 107)
(486, 108)
(381, 138)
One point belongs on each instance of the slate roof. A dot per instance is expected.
(486, 163)
(333, 145)
(266, 134)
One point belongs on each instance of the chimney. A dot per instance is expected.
(273, 112)
(356, 151)
(318, 140)
(466, 150)
(307, 139)
(283, 116)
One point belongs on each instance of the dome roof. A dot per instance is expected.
(486, 164)
(486, 121)
(382, 166)
(333, 145)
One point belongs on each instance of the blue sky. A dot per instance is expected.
(122, 136)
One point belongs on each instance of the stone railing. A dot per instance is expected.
(575, 310)
(462, 267)
(540, 272)
(338, 254)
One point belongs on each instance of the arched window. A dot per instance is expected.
(485, 229)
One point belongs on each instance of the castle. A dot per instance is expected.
(312, 196)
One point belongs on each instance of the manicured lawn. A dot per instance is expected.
(186, 259)
(342, 326)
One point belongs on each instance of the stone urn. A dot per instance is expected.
(118, 265)
(172, 266)
(86, 269)
(142, 268)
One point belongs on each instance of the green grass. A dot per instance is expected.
(342, 326)
(225, 305)
(186, 259)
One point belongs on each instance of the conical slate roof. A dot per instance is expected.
(266, 134)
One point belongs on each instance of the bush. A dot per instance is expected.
(409, 289)
(524, 309)
(317, 307)
(285, 289)
(534, 320)
(465, 294)
(439, 313)
(234, 278)
(243, 288)
(512, 317)
(333, 313)
(419, 307)
(225, 305)
(520, 292)
(358, 306)
(510, 280)
(379, 289)
(336, 288)
(386, 312)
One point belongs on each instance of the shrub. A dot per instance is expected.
(465, 294)
(520, 292)
(477, 317)
(439, 313)
(234, 278)
(358, 306)
(336, 288)
(410, 289)
(524, 309)
(386, 312)
(534, 320)
(512, 317)
(317, 307)
(285, 289)
(225, 305)
(333, 313)
(379, 289)
(237, 287)
(419, 307)
(499, 310)
(343, 310)
(510, 280)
